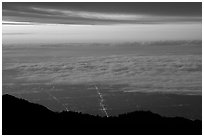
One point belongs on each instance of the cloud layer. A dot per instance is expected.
(179, 74)
(102, 13)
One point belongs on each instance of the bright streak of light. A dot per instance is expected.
(57, 100)
(101, 102)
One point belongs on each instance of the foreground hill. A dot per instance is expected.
(22, 117)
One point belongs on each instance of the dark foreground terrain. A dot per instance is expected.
(22, 117)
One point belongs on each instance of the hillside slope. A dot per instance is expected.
(22, 117)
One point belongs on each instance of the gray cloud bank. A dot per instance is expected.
(168, 74)
(101, 13)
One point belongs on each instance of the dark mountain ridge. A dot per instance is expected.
(22, 117)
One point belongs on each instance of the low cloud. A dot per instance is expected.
(141, 73)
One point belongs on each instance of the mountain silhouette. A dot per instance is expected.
(21, 117)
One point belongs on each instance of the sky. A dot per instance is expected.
(167, 65)
(100, 22)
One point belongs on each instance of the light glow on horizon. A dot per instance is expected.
(52, 33)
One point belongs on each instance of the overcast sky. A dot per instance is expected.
(93, 21)
(102, 13)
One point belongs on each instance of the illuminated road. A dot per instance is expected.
(101, 101)
(56, 99)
